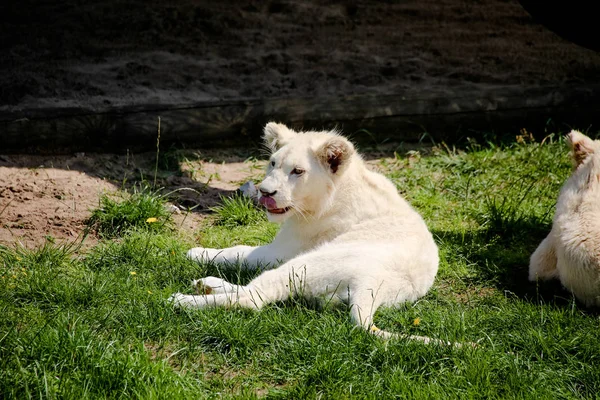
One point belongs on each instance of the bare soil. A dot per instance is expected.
(51, 197)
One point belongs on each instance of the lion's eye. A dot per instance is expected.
(297, 171)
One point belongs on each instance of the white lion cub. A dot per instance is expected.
(346, 233)
(571, 252)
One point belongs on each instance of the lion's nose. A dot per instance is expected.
(267, 193)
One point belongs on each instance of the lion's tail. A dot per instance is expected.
(425, 339)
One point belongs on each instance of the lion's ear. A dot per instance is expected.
(335, 153)
(277, 135)
(582, 146)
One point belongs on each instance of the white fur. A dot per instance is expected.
(571, 252)
(347, 235)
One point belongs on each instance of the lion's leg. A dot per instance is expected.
(216, 292)
(363, 305)
(542, 264)
(246, 255)
(240, 298)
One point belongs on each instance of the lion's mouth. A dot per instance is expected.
(278, 210)
(271, 205)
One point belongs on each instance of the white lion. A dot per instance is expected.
(346, 233)
(571, 252)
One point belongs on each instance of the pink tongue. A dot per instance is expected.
(268, 202)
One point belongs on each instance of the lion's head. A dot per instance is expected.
(582, 146)
(302, 172)
(586, 160)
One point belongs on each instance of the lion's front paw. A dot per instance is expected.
(201, 287)
(188, 300)
(201, 254)
(212, 285)
(177, 299)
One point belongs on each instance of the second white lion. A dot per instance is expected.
(346, 233)
(571, 252)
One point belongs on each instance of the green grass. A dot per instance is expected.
(95, 324)
(238, 210)
(143, 208)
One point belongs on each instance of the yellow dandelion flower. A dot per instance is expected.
(160, 319)
(151, 220)
(133, 273)
(417, 321)
(149, 292)
(374, 328)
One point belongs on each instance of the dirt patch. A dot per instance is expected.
(45, 201)
(45, 197)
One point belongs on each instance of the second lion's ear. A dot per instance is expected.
(277, 135)
(335, 153)
(582, 146)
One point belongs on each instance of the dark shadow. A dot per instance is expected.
(573, 21)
